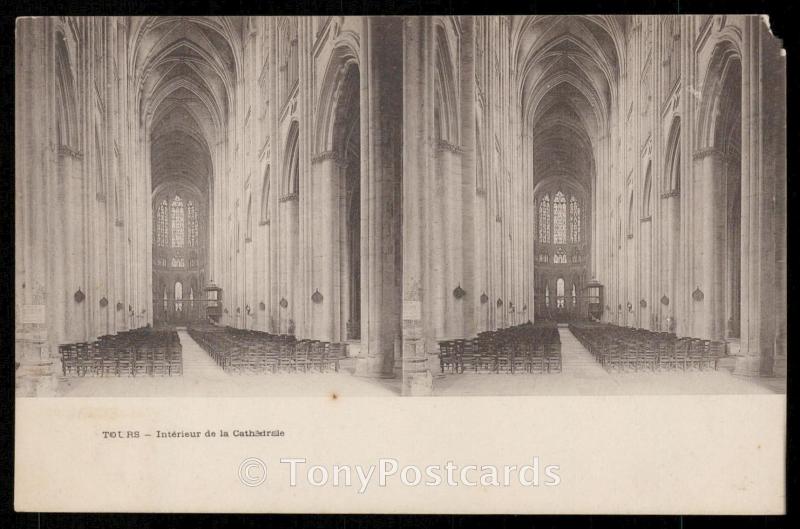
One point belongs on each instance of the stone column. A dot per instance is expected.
(709, 165)
(467, 192)
(763, 141)
(326, 171)
(417, 83)
(35, 344)
(380, 192)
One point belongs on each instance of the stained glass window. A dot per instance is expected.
(547, 294)
(177, 222)
(191, 212)
(574, 220)
(560, 257)
(560, 292)
(574, 295)
(162, 223)
(544, 219)
(559, 218)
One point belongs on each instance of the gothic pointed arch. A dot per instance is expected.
(265, 189)
(647, 191)
(339, 94)
(292, 162)
(672, 166)
(66, 102)
(446, 122)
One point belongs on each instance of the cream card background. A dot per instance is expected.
(676, 454)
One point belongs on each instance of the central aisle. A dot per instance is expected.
(196, 362)
(578, 361)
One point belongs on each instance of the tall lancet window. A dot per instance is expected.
(547, 294)
(178, 296)
(191, 213)
(574, 220)
(559, 218)
(162, 223)
(177, 222)
(544, 219)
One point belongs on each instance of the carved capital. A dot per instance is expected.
(63, 150)
(328, 155)
(288, 198)
(443, 145)
(709, 151)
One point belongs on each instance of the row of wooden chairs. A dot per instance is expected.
(524, 348)
(626, 349)
(247, 352)
(132, 353)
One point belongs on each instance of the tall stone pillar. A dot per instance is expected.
(35, 345)
(749, 363)
(709, 164)
(381, 265)
(417, 48)
(467, 189)
(763, 142)
(326, 245)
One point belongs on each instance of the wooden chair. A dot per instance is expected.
(316, 356)
(108, 363)
(666, 355)
(286, 360)
(537, 359)
(521, 360)
(139, 361)
(681, 353)
(69, 359)
(447, 357)
(505, 358)
(85, 358)
(175, 361)
(160, 364)
(648, 355)
(467, 355)
(554, 361)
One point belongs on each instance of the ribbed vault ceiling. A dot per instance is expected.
(569, 68)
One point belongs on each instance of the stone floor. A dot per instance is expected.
(581, 375)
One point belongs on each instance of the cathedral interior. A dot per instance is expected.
(411, 188)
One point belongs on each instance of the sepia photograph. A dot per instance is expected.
(362, 208)
(385, 206)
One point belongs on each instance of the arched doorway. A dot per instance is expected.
(730, 140)
(721, 166)
(346, 149)
(338, 166)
